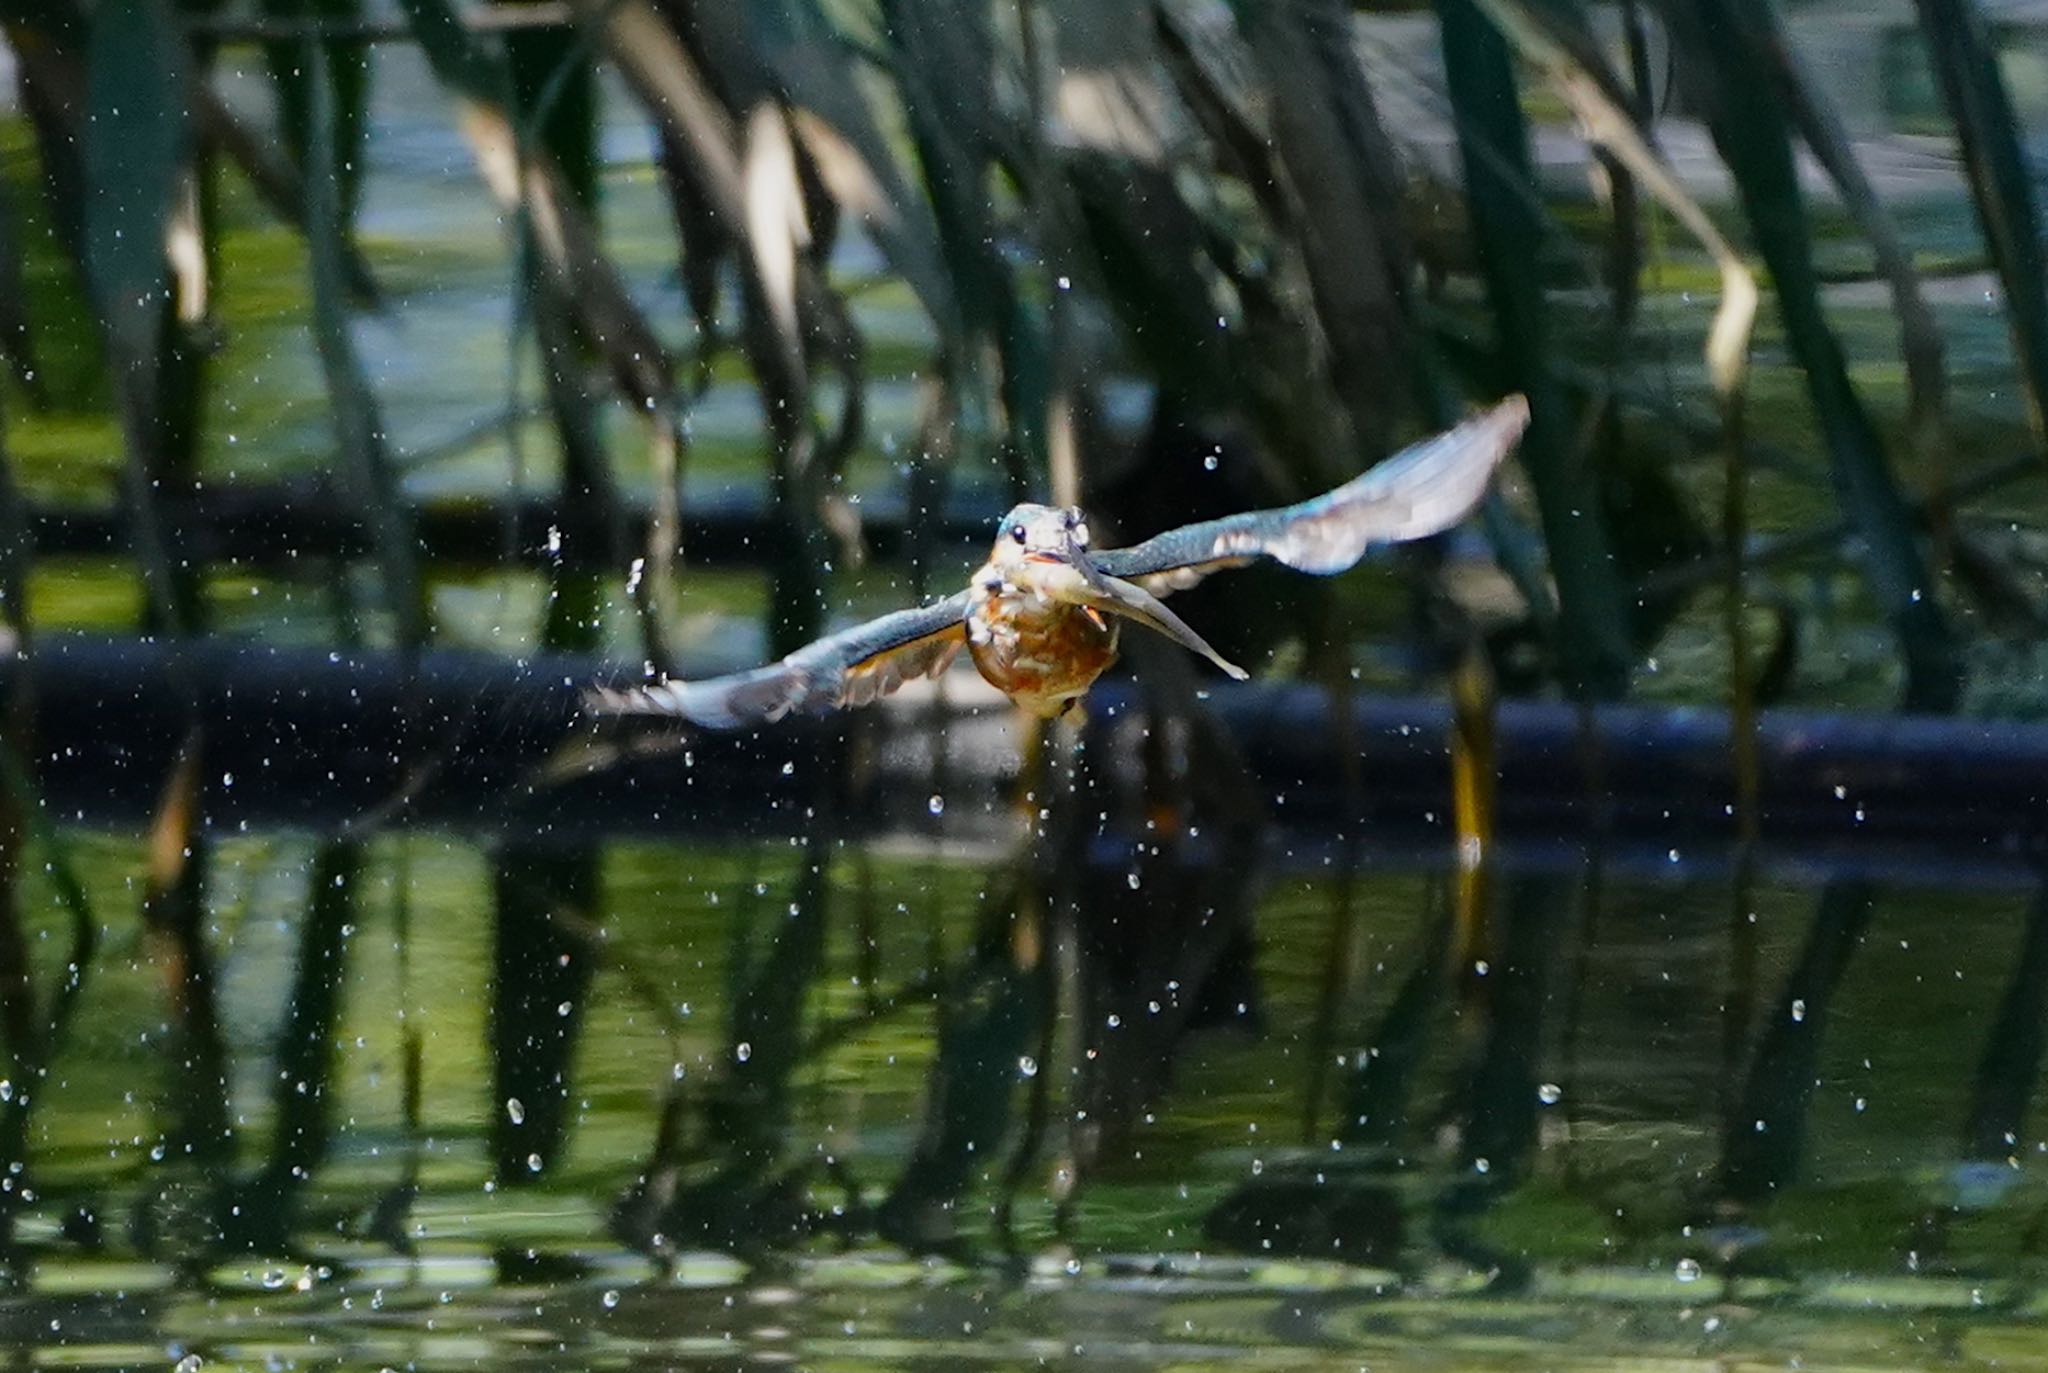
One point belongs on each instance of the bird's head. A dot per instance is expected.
(1040, 534)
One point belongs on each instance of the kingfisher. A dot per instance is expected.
(1040, 618)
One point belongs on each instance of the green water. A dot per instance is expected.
(1885, 1252)
(1197, 1197)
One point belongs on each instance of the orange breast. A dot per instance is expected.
(1041, 655)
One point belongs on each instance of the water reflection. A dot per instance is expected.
(1069, 1074)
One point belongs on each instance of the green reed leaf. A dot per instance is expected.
(1966, 63)
(137, 145)
(1507, 221)
(1752, 129)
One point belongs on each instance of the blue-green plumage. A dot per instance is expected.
(1019, 608)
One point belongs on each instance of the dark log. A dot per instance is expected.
(304, 737)
(281, 527)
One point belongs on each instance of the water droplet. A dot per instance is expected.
(1798, 1010)
(191, 1363)
(1482, 1165)
(516, 1109)
(1550, 1094)
(534, 1163)
(743, 1051)
(1258, 1166)
(1688, 1270)
(1209, 462)
(937, 804)
(272, 1279)
(1132, 880)
(1027, 1065)
(611, 1298)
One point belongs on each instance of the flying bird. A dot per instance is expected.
(1040, 617)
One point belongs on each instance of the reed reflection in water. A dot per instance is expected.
(1152, 1033)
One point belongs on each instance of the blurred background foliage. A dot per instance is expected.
(390, 328)
(1096, 247)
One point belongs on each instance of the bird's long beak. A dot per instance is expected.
(1134, 602)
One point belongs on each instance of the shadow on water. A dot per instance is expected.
(1765, 1147)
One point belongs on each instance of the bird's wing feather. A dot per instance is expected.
(1422, 490)
(850, 668)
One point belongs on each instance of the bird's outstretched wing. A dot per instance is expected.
(850, 668)
(1421, 490)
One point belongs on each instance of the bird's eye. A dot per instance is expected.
(1017, 532)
